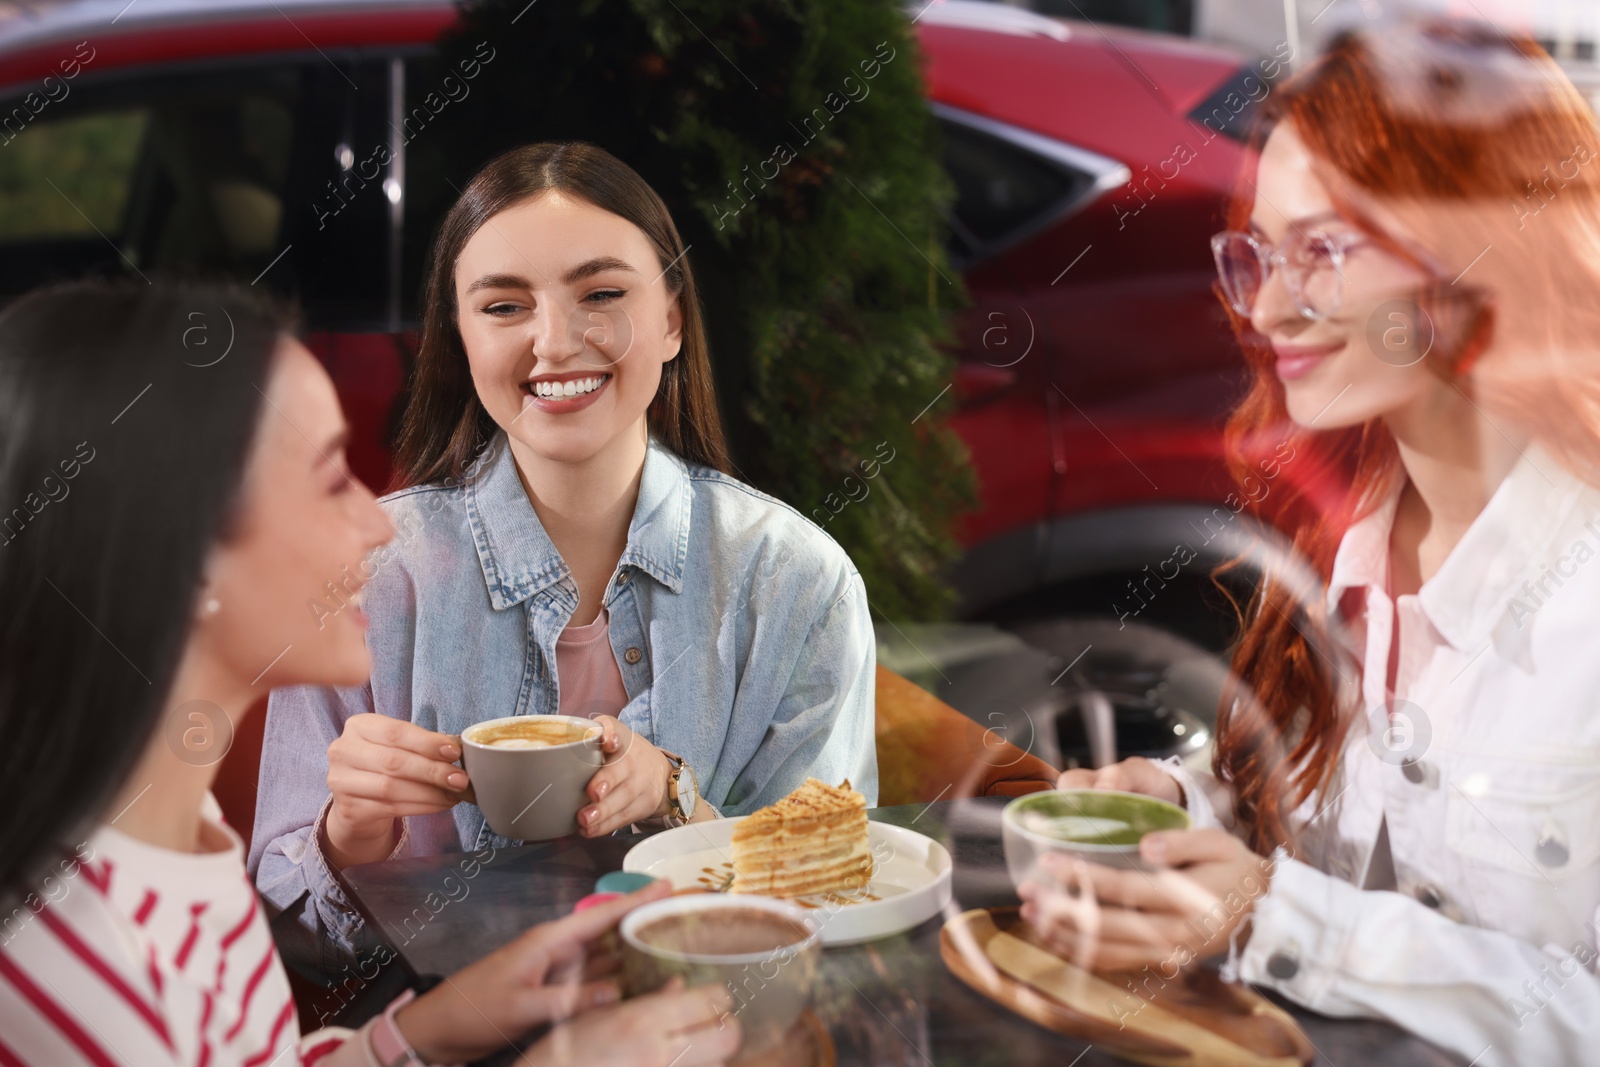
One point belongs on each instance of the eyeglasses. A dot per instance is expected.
(1311, 259)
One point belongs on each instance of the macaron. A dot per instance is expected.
(622, 882)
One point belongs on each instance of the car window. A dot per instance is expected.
(193, 178)
(232, 172)
(436, 171)
(1232, 107)
(69, 180)
(1003, 190)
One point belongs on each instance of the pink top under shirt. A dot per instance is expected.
(586, 670)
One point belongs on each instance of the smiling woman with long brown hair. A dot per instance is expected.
(1414, 269)
(569, 541)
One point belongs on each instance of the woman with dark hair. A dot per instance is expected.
(177, 460)
(569, 541)
(1414, 270)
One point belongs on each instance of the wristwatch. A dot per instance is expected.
(388, 1045)
(683, 790)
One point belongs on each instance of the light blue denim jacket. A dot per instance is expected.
(741, 630)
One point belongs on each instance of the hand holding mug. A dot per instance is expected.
(1133, 775)
(381, 769)
(632, 785)
(675, 1027)
(1106, 919)
(561, 971)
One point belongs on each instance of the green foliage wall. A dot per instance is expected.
(793, 144)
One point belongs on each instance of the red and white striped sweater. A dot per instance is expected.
(134, 954)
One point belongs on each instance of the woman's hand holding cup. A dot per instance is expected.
(381, 769)
(563, 972)
(675, 1027)
(1133, 775)
(632, 785)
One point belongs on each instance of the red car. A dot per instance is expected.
(1091, 167)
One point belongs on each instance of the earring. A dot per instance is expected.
(211, 606)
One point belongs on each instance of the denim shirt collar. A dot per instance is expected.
(518, 557)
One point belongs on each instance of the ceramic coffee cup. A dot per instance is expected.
(533, 790)
(1101, 825)
(763, 951)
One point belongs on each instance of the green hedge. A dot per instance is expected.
(793, 144)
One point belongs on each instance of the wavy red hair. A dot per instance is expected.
(1407, 138)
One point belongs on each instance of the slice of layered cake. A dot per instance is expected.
(812, 842)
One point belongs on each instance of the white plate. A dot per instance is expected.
(910, 877)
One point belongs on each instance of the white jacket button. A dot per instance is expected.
(1550, 851)
(1419, 773)
(1429, 895)
(1282, 965)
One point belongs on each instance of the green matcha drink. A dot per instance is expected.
(1097, 817)
(1099, 825)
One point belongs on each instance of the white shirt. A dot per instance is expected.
(135, 954)
(1487, 944)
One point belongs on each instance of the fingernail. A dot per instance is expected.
(457, 781)
(601, 790)
(593, 900)
(1154, 847)
(606, 994)
(450, 752)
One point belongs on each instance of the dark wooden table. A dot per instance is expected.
(887, 1003)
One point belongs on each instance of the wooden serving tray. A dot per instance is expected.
(1193, 1020)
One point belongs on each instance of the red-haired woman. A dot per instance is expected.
(1409, 762)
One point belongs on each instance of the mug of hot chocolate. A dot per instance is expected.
(763, 950)
(529, 772)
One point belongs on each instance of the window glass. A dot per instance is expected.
(1232, 107)
(70, 179)
(436, 171)
(1001, 189)
(239, 171)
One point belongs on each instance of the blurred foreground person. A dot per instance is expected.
(1415, 274)
(178, 464)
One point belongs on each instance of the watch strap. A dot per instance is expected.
(388, 1044)
(675, 815)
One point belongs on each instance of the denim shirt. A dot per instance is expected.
(741, 630)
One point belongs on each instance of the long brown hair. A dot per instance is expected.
(1470, 139)
(445, 424)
